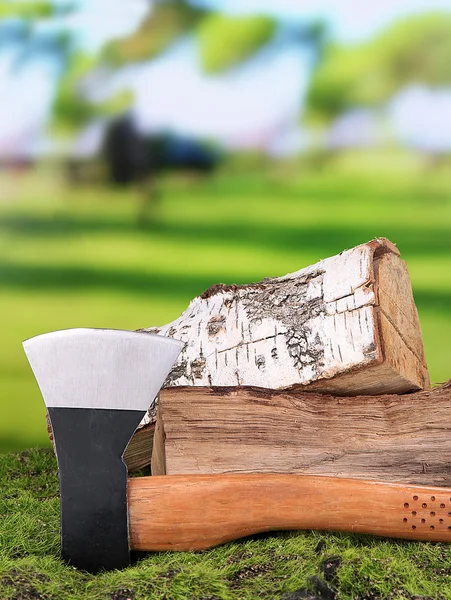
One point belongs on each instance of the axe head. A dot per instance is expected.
(97, 385)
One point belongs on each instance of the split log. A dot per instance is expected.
(346, 325)
(397, 438)
(138, 452)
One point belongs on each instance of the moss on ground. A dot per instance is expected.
(288, 566)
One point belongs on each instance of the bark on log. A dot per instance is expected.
(398, 438)
(346, 325)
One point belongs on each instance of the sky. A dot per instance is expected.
(212, 106)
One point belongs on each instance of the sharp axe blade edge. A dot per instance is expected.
(100, 368)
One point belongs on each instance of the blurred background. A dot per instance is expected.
(149, 149)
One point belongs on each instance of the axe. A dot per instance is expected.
(98, 384)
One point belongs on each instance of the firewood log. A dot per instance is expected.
(346, 325)
(398, 438)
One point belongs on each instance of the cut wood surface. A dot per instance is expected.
(196, 512)
(398, 438)
(137, 453)
(346, 325)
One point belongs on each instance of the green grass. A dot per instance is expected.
(75, 257)
(272, 566)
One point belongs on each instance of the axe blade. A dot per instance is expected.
(97, 385)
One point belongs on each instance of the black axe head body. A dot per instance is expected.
(97, 385)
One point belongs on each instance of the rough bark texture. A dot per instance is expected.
(346, 325)
(398, 438)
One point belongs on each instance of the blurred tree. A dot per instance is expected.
(413, 50)
(224, 42)
(77, 73)
(76, 103)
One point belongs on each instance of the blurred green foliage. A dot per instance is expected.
(224, 42)
(166, 22)
(74, 257)
(227, 41)
(72, 109)
(417, 49)
(26, 10)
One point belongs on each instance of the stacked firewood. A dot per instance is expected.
(321, 371)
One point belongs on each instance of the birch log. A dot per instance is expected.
(347, 325)
(398, 438)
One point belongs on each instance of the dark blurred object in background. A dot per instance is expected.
(132, 156)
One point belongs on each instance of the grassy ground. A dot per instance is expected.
(76, 257)
(286, 566)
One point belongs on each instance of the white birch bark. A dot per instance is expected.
(306, 328)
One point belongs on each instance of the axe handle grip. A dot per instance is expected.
(194, 512)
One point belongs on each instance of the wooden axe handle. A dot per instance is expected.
(194, 512)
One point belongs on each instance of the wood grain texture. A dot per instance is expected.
(397, 438)
(322, 327)
(157, 455)
(200, 511)
(136, 455)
